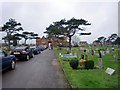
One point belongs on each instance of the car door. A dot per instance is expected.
(5, 61)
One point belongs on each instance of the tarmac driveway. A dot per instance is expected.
(42, 71)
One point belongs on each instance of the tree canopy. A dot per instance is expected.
(11, 28)
(66, 28)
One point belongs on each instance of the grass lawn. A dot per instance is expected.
(94, 78)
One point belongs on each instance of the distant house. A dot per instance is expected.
(96, 43)
(83, 43)
(107, 42)
(53, 41)
(104, 43)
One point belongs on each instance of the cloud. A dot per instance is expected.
(36, 16)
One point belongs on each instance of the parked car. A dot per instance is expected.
(35, 50)
(7, 61)
(41, 47)
(22, 52)
(45, 46)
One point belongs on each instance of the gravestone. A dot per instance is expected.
(110, 71)
(82, 56)
(99, 51)
(86, 57)
(107, 51)
(100, 63)
(75, 53)
(68, 51)
(114, 57)
(103, 53)
(59, 53)
(96, 48)
(78, 55)
(92, 52)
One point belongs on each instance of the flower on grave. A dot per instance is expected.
(81, 62)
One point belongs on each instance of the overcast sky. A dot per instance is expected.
(36, 16)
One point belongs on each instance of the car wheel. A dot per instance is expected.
(27, 57)
(37, 52)
(33, 55)
(13, 65)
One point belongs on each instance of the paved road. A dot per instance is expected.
(39, 72)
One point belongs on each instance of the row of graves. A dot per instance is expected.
(84, 57)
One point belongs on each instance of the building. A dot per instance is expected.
(83, 43)
(104, 43)
(107, 43)
(95, 43)
(53, 41)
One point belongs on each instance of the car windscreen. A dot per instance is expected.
(33, 47)
(20, 47)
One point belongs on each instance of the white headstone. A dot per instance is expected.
(59, 53)
(110, 71)
(115, 57)
(107, 52)
(100, 62)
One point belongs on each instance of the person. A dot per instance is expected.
(49, 46)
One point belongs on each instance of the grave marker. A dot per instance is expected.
(114, 57)
(100, 63)
(110, 71)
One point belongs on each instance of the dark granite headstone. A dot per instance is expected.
(100, 56)
(86, 57)
(82, 56)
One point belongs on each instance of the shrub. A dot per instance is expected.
(74, 63)
(89, 64)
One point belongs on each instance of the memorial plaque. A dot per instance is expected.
(110, 71)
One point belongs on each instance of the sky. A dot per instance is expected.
(35, 16)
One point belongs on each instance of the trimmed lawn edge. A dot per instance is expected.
(63, 71)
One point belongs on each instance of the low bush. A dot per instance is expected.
(89, 64)
(74, 63)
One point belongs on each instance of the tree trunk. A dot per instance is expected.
(70, 43)
(8, 44)
(25, 42)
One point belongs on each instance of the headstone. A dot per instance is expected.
(92, 52)
(75, 53)
(96, 48)
(86, 57)
(82, 56)
(68, 51)
(100, 56)
(59, 53)
(114, 57)
(100, 62)
(78, 55)
(110, 71)
(103, 53)
(107, 51)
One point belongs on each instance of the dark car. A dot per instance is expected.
(45, 46)
(7, 61)
(41, 47)
(22, 52)
(35, 49)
